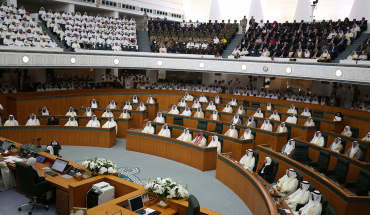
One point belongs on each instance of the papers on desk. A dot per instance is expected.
(66, 176)
(13, 159)
(46, 168)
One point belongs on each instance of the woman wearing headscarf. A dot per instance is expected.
(159, 118)
(112, 105)
(288, 149)
(217, 99)
(347, 131)
(287, 184)
(196, 104)
(150, 100)
(11, 121)
(149, 129)
(107, 113)
(292, 109)
(366, 138)
(37, 176)
(215, 143)
(250, 123)
(182, 103)
(300, 196)
(268, 106)
(135, 99)
(188, 97)
(185, 136)
(275, 116)
(306, 112)
(236, 120)
(309, 122)
(199, 113)
(125, 114)
(337, 145)
(127, 106)
(88, 112)
(215, 116)
(258, 113)
(200, 140)
(71, 122)
(338, 117)
(165, 132)
(33, 121)
(291, 119)
(233, 102)
(266, 168)
(44, 111)
(227, 109)
(211, 106)
(232, 132)
(8, 180)
(318, 139)
(354, 152)
(247, 135)
(110, 123)
(266, 125)
(203, 98)
(313, 207)
(141, 107)
(186, 112)
(174, 110)
(282, 128)
(71, 112)
(248, 160)
(94, 122)
(94, 104)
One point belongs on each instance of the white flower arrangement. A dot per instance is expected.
(100, 166)
(166, 188)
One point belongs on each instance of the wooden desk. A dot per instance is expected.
(245, 185)
(276, 140)
(349, 140)
(65, 135)
(342, 201)
(236, 146)
(202, 158)
(122, 124)
(137, 115)
(152, 109)
(354, 165)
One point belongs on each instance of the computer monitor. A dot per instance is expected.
(136, 203)
(59, 165)
(6, 145)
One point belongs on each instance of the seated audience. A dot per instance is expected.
(248, 160)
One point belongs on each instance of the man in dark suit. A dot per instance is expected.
(360, 48)
(299, 46)
(333, 40)
(84, 45)
(342, 43)
(363, 24)
(367, 41)
(333, 50)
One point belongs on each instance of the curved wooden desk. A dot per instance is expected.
(22, 104)
(246, 185)
(236, 146)
(65, 135)
(332, 136)
(202, 158)
(342, 200)
(122, 124)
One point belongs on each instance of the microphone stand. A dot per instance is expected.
(38, 143)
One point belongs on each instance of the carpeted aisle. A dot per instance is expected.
(137, 167)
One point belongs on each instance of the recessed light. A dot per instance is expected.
(73, 60)
(25, 59)
(244, 67)
(288, 70)
(159, 63)
(116, 61)
(201, 65)
(338, 73)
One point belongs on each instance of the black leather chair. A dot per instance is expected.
(317, 123)
(178, 120)
(28, 186)
(255, 104)
(339, 173)
(193, 207)
(355, 132)
(202, 125)
(275, 166)
(299, 177)
(155, 100)
(322, 163)
(256, 156)
(245, 103)
(363, 149)
(330, 211)
(301, 153)
(362, 185)
(218, 128)
(55, 118)
(318, 114)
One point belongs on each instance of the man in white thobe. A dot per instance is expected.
(11, 121)
(313, 207)
(185, 136)
(71, 122)
(318, 139)
(149, 129)
(33, 121)
(300, 196)
(248, 160)
(215, 143)
(232, 132)
(93, 122)
(165, 132)
(110, 123)
(71, 112)
(287, 184)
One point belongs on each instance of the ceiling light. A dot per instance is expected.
(201, 65)
(244, 67)
(288, 70)
(159, 63)
(25, 59)
(338, 73)
(116, 61)
(73, 60)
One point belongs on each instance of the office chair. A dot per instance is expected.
(194, 207)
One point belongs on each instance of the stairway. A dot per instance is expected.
(53, 36)
(231, 46)
(143, 41)
(356, 43)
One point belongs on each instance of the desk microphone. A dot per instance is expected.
(37, 138)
